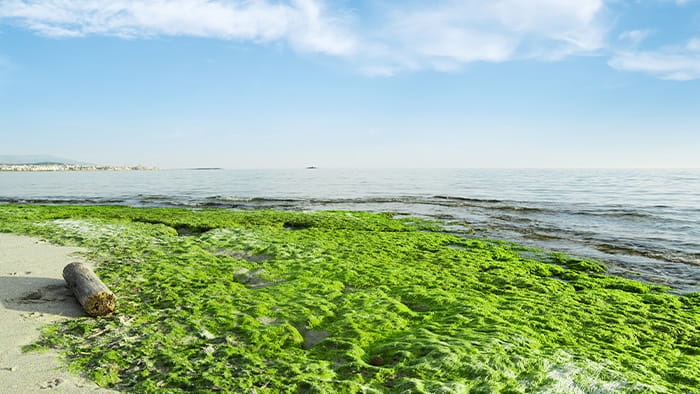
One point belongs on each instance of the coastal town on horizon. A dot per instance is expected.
(69, 167)
(38, 163)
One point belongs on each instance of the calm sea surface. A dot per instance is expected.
(643, 224)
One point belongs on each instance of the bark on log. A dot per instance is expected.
(93, 295)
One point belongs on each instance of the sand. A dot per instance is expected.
(32, 294)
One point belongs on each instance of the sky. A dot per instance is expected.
(353, 84)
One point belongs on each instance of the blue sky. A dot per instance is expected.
(383, 83)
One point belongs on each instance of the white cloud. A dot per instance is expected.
(634, 36)
(398, 35)
(305, 24)
(447, 34)
(679, 64)
(440, 34)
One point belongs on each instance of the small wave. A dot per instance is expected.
(475, 200)
(500, 205)
(522, 209)
(510, 218)
(371, 200)
(147, 199)
(252, 199)
(619, 214)
(652, 251)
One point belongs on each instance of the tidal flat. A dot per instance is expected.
(332, 301)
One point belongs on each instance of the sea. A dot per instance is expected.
(643, 224)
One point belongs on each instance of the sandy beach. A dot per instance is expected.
(32, 294)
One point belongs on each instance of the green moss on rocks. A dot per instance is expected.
(355, 302)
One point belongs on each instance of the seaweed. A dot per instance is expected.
(266, 301)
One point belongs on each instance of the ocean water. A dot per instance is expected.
(644, 224)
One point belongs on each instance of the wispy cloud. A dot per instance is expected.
(635, 37)
(305, 24)
(447, 34)
(680, 63)
(440, 35)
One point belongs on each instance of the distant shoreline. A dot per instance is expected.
(69, 167)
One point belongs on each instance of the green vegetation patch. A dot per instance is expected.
(264, 301)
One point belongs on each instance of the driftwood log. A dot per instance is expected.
(93, 295)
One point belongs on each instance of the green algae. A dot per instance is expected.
(270, 301)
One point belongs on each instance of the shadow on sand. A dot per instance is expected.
(40, 295)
